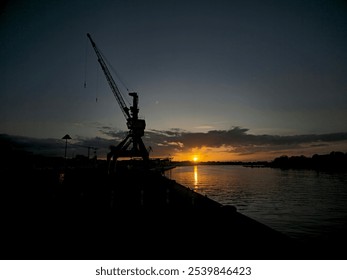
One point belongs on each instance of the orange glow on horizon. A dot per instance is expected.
(221, 154)
(204, 154)
(231, 154)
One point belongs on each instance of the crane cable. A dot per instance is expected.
(97, 78)
(86, 65)
(116, 74)
(97, 83)
(86, 70)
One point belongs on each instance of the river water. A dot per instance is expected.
(303, 204)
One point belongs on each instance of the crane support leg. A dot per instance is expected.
(143, 151)
(114, 154)
(121, 150)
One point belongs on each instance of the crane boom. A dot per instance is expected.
(110, 80)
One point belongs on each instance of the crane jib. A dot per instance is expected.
(111, 82)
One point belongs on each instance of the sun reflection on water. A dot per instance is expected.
(196, 181)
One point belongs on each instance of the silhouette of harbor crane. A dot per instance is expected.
(132, 145)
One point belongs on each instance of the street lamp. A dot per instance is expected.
(66, 137)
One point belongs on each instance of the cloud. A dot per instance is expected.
(204, 127)
(239, 137)
(55, 147)
(237, 140)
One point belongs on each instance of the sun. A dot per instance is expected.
(195, 158)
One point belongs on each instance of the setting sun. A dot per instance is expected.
(195, 158)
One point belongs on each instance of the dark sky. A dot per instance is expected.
(219, 79)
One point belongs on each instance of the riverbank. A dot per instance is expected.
(87, 214)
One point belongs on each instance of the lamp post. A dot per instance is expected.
(66, 137)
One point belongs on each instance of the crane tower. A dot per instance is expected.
(132, 145)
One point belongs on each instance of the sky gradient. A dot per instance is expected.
(221, 80)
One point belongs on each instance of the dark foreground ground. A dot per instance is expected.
(89, 214)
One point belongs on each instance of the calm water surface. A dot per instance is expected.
(301, 203)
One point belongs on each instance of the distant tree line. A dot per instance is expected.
(335, 161)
